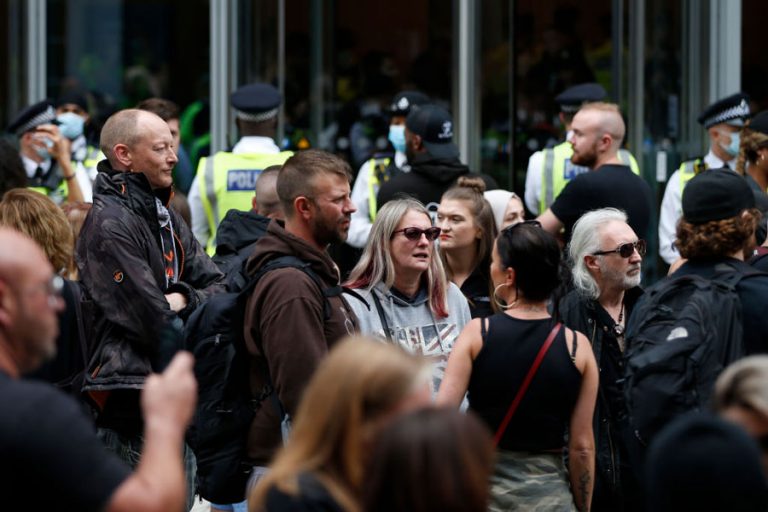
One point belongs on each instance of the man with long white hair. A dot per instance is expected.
(606, 255)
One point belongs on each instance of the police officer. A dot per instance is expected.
(72, 115)
(550, 170)
(381, 168)
(45, 153)
(226, 180)
(723, 121)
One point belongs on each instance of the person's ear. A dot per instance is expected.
(5, 303)
(303, 207)
(418, 142)
(123, 155)
(511, 277)
(591, 262)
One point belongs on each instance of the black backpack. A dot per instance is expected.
(225, 407)
(684, 331)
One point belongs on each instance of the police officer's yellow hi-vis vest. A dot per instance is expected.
(227, 182)
(377, 173)
(558, 171)
(58, 195)
(689, 169)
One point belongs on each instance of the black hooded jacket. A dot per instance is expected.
(121, 265)
(428, 179)
(236, 238)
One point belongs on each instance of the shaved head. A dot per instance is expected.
(265, 201)
(123, 127)
(605, 118)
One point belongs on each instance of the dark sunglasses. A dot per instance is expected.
(626, 250)
(533, 223)
(414, 234)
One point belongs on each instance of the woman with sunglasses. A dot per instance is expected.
(467, 233)
(407, 299)
(530, 379)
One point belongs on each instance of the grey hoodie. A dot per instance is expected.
(412, 324)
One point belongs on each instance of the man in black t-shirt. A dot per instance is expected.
(50, 458)
(598, 131)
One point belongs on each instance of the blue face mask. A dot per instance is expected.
(71, 125)
(397, 137)
(43, 151)
(732, 148)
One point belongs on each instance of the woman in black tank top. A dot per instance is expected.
(493, 360)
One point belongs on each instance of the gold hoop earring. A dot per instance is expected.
(501, 304)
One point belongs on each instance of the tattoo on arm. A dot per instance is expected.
(584, 483)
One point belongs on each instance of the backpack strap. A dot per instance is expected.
(382, 316)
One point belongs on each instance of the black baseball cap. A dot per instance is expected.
(759, 123)
(716, 194)
(435, 127)
(403, 102)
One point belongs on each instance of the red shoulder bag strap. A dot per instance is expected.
(527, 382)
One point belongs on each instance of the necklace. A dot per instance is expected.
(618, 327)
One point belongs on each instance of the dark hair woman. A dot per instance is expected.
(494, 358)
(454, 449)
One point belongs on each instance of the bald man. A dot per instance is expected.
(239, 231)
(50, 458)
(143, 268)
(598, 132)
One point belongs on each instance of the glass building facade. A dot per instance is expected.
(496, 64)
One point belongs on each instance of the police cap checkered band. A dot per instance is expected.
(256, 118)
(256, 102)
(733, 110)
(33, 116)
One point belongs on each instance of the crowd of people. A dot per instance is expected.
(468, 360)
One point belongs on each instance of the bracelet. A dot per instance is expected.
(69, 177)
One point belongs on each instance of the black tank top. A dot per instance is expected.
(509, 348)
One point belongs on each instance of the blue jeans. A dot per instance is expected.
(128, 449)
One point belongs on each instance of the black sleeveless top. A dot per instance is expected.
(509, 348)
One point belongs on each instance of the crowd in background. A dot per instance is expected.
(409, 336)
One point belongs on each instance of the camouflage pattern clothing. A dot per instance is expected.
(530, 482)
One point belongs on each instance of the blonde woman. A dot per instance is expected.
(406, 298)
(356, 390)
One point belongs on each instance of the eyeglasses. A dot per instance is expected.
(533, 223)
(414, 234)
(626, 250)
(52, 288)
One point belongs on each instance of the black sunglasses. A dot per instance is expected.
(414, 234)
(626, 250)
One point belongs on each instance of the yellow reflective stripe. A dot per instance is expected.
(547, 181)
(373, 182)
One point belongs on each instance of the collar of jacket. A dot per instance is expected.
(126, 182)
